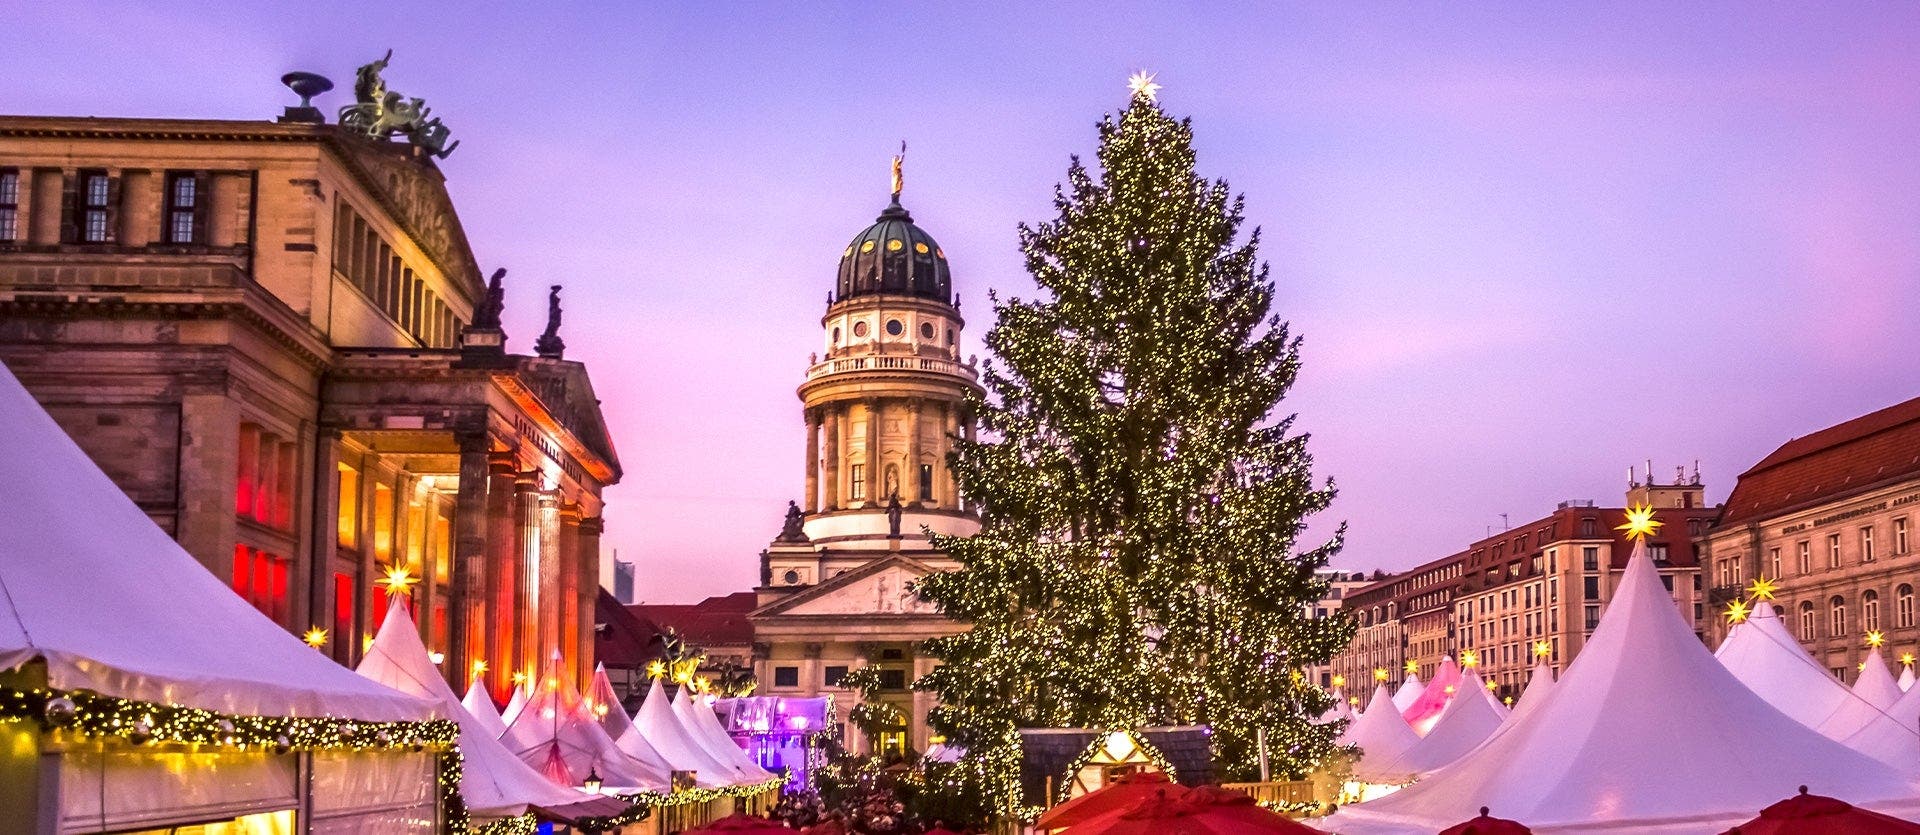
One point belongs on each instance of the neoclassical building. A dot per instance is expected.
(274, 336)
(882, 403)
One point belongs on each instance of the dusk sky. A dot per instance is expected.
(1528, 244)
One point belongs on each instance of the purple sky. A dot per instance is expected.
(1527, 245)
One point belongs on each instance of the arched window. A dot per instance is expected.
(1806, 620)
(1870, 610)
(1836, 616)
(1903, 605)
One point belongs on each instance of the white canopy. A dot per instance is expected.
(705, 727)
(479, 705)
(1408, 693)
(1383, 736)
(493, 781)
(606, 705)
(1539, 687)
(515, 703)
(1339, 710)
(1620, 745)
(661, 731)
(1764, 656)
(1906, 677)
(1426, 710)
(1893, 737)
(1872, 694)
(552, 721)
(90, 586)
(1469, 720)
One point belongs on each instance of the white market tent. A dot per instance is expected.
(95, 597)
(1426, 709)
(1383, 736)
(1906, 677)
(705, 728)
(1469, 720)
(656, 727)
(1539, 687)
(552, 721)
(606, 705)
(1870, 698)
(479, 705)
(1408, 693)
(1338, 711)
(1764, 656)
(1894, 736)
(515, 703)
(1642, 705)
(494, 782)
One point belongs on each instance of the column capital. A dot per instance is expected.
(595, 525)
(569, 512)
(814, 649)
(470, 441)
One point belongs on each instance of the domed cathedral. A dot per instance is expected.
(882, 405)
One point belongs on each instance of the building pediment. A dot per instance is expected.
(562, 390)
(882, 587)
(412, 189)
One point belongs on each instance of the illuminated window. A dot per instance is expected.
(382, 523)
(9, 204)
(342, 616)
(857, 474)
(260, 578)
(349, 527)
(90, 220)
(183, 208)
(926, 482)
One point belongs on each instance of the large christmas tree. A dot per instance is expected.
(1140, 494)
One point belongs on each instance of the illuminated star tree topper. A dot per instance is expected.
(1140, 85)
(1640, 523)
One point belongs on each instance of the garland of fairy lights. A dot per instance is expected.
(139, 722)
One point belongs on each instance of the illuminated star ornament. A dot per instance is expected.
(398, 580)
(1413, 666)
(1761, 589)
(1469, 658)
(1493, 687)
(315, 637)
(1875, 639)
(1542, 649)
(1906, 658)
(1640, 523)
(1339, 681)
(656, 669)
(1141, 84)
(1737, 611)
(1380, 674)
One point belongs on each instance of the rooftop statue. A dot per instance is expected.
(379, 113)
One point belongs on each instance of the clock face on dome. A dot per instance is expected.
(859, 329)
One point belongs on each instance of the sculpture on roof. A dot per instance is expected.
(380, 113)
(791, 530)
(549, 344)
(487, 316)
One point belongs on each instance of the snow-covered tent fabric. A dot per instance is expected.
(1408, 693)
(705, 727)
(479, 705)
(1426, 710)
(1642, 692)
(494, 783)
(1765, 657)
(1383, 736)
(1873, 693)
(551, 720)
(113, 605)
(606, 704)
(1469, 720)
(655, 725)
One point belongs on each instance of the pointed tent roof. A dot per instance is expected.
(656, 725)
(1894, 736)
(552, 717)
(1469, 720)
(515, 703)
(705, 727)
(1339, 710)
(1539, 687)
(1764, 656)
(606, 705)
(1906, 677)
(111, 604)
(1643, 690)
(1383, 736)
(493, 781)
(479, 705)
(1408, 693)
(1426, 710)
(1872, 694)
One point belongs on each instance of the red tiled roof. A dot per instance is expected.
(627, 640)
(1834, 462)
(715, 621)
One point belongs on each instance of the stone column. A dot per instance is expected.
(467, 617)
(209, 465)
(831, 418)
(943, 447)
(875, 478)
(588, 546)
(550, 590)
(502, 555)
(910, 480)
(812, 503)
(323, 545)
(567, 583)
(526, 493)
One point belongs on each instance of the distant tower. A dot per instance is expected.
(883, 402)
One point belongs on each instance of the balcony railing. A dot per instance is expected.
(882, 362)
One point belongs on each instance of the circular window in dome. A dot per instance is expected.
(894, 246)
(940, 254)
(926, 330)
(859, 329)
(836, 335)
(792, 577)
(894, 327)
(920, 247)
(848, 253)
(866, 247)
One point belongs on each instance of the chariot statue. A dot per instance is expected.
(380, 113)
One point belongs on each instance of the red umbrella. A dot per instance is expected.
(1120, 795)
(740, 824)
(1208, 810)
(1487, 825)
(1812, 814)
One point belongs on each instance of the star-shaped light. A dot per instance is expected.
(315, 637)
(1469, 658)
(1542, 649)
(1493, 687)
(1761, 588)
(1449, 689)
(1141, 84)
(479, 666)
(1875, 638)
(1353, 700)
(1906, 658)
(398, 580)
(519, 678)
(1339, 681)
(1413, 666)
(1737, 611)
(1640, 523)
(656, 669)
(1380, 674)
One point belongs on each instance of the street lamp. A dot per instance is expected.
(592, 783)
